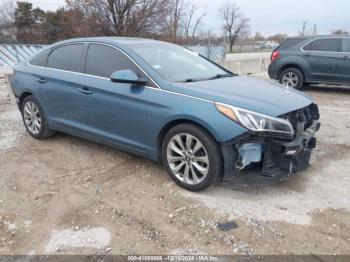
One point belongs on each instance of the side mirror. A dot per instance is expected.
(128, 77)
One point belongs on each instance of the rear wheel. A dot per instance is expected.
(34, 119)
(191, 157)
(292, 78)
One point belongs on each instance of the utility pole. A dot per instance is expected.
(209, 44)
(315, 29)
(304, 28)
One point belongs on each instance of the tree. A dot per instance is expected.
(182, 21)
(258, 37)
(123, 17)
(279, 38)
(339, 32)
(173, 19)
(24, 20)
(192, 21)
(235, 24)
(29, 22)
(38, 15)
(7, 12)
(69, 23)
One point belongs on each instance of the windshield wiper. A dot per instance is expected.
(221, 76)
(189, 80)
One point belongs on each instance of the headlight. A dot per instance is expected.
(255, 121)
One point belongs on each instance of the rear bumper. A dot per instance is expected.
(273, 71)
(278, 158)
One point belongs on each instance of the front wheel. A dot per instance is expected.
(191, 157)
(292, 78)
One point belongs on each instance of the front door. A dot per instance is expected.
(343, 69)
(322, 57)
(113, 112)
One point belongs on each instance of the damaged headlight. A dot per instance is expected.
(255, 121)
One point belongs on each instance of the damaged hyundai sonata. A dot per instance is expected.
(166, 103)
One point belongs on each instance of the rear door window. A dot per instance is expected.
(103, 60)
(327, 45)
(68, 58)
(346, 45)
(289, 43)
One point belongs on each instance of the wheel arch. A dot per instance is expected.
(174, 123)
(291, 65)
(23, 96)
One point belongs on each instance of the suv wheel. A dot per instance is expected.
(191, 157)
(292, 78)
(34, 119)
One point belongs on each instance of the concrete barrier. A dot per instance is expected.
(5, 77)
(247, 63)
(9, 88)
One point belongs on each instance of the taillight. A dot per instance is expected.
(275, 55)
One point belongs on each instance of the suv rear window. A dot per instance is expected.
(289, 43)
(327, 44)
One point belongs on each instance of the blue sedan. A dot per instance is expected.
(166, 103)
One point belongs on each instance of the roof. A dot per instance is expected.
(112, 39)
(317, 36)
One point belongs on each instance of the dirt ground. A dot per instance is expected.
(65, 195)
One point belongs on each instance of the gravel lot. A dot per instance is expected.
(65, 195)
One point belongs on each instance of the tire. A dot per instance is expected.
(287, 76)
(34, 118)
(199, 155)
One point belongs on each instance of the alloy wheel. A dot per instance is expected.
(290, 80)
(32, 117)
(188, 159)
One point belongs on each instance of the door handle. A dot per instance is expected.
(42, 80)
(85, 91)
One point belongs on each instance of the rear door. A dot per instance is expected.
(113, 112)
(60, 85)
(322, 57)
(343, 69)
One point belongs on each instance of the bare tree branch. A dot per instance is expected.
(123, 17)
(235, 24)
(192, 21)
(339, 32)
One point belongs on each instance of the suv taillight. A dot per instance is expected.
(275, 55)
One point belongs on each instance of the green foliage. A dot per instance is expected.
(24, 15)
(37, 26)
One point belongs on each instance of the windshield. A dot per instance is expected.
(177, 64)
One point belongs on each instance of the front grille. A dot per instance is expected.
(303, 118)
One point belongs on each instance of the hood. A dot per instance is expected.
(253, 94)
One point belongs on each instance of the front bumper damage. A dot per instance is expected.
(275, 155)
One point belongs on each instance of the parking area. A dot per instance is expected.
(65, 195)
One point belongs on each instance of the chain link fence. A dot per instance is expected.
(215, 53)
(11, 55)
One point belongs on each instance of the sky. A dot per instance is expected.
(267, 16)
